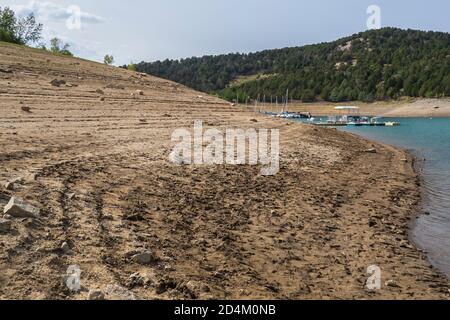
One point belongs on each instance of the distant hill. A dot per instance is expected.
(372, 65)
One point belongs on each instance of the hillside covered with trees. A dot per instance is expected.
(372, 65)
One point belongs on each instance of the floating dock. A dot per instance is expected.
(339, 124)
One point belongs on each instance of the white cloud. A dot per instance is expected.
(50, 11)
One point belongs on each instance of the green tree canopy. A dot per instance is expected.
(108, 60)
(58, 46)
(19, 30)
(372, 65)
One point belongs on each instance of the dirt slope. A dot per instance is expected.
(99, 170)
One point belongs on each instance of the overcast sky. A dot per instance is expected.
(158, 29)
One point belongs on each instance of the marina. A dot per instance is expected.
(344, 116)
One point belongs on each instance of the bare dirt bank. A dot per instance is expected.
(403, 108)
(95, 160)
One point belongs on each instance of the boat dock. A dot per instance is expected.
(362, 124)
(345, 116)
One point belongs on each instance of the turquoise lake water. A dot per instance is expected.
(428, 139)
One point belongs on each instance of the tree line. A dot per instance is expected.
(374, 65)
(27, 31)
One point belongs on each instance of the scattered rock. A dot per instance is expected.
(115, 86)
(392, 284)
(145, 257)
(10, 185)
(6, 70)
(4, 196)
(136, 280)
(5, 225)
(405, 244)
(26, 109)
(197, 287)
(70, 196)
(372, 150)
(57, 83)
(13, 184)
(18, 208)
(115, 292)
(65, 248)
(168, 268)
(96, 294)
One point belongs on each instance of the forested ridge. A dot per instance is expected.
(374, 65)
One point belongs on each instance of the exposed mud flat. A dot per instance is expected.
(94, 157)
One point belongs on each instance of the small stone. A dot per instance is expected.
(12, 184)
(253, 120)
(6, 70)
(168, 268)
(392, 284)
(140, 92)
(136, 279)
(96, 294)
(57, 83)
(99, 91)
(145, 257)
(372, 150)
(102, 99)
(20, 209)
(65, 248)
(115, 292)
(26, 109)
(5, 225)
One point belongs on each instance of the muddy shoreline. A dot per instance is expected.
(417, 166)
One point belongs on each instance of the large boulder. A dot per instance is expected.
(18, 208)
